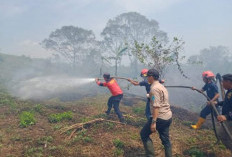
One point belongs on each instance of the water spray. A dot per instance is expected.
(40, 87)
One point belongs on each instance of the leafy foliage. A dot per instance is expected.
(34, 151)
(118, 143)
(38, 108)
(123, 30)
(72, 43)
(45, 140)
(119, 147)
(160, 55)
(195, 152)
(81, 137)
(138, 110)
(26, 119)
(118, 152)
(54, 118)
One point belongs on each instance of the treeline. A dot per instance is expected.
(129, 43)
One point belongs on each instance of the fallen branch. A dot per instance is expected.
(85, 125)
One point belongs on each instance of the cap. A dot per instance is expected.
(227, 77)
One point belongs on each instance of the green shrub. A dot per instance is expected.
(35, 152)
(38, 108)
(45, 140)
(118, 143)
(81, 137)
(87, 139)
(6, 100)
(222, 146)
(26, 119)
(1, 138)
(84, 119)
(57, 127)
(138, 110)
(195, 152)
(119, 147)
(54, 118)
(118, 152)
(109, 125)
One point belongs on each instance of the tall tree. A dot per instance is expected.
(215, 58)
(72, 43)
(127, 28)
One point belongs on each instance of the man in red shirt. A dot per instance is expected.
(116, 92)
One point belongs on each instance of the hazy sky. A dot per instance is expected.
(25, 23)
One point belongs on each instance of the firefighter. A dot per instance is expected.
(212, 92)
(117, 94)
(147, 86)
(226, 116)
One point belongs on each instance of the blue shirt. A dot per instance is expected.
(211, 89)
(146, 84)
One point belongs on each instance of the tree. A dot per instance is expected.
(103, 60)
(160, 55)
(72, 43)
(214, 58)
(127, 28)
(117, 58)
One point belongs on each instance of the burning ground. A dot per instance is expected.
(39, 135)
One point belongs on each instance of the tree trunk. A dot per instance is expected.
(116, 67)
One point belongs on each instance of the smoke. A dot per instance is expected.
(47, 86)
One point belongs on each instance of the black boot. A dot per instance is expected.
(122, 120)
(149, 149)
(107, 113)
(168, 152)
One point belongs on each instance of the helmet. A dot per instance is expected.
(208, 74)
(144, 72)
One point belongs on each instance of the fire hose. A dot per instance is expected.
(214, 109)
(116, 77)
(219, 78)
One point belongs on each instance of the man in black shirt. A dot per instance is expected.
(226, 116)
(227, 103)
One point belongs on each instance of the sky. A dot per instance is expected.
(25, 23)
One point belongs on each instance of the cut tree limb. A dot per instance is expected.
(85, 125)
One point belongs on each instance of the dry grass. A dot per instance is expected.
(44, 138)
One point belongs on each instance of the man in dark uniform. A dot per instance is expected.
(226, 116)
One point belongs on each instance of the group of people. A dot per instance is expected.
(158, 112)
